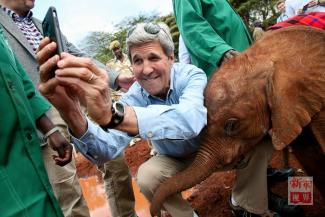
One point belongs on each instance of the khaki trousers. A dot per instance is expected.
(118, 186)
(250, 188)
(155, 171)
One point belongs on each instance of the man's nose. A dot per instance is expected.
(147, 68)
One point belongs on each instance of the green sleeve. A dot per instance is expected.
(205, 43)
(38, 103)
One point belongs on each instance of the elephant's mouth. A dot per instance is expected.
(243, 154)
(239, 158)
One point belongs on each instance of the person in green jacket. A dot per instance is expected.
(212, 31)
(25, 189)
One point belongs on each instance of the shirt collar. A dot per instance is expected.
(15, 16)
(171, 87)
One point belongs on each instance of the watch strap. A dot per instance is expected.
(116, 119)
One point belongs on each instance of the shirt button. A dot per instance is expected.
(95, 156)
(29, 136)
(149, 134)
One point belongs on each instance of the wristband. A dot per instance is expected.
(50, 132)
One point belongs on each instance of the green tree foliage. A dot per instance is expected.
(251, 10)
(96, 44)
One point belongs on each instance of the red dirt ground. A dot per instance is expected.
(210, 197)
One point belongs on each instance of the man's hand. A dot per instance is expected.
(63, 98)
(62, 146)
(90, 84)
(125, 81)
(229, 55)
(310, 4)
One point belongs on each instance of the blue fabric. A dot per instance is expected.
(173, 124)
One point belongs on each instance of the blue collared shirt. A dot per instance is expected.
(172, 124)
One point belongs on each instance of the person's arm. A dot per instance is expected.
(55, 140)
(138, 120)
(100, 146)
(182, 120)
(206, 43)
(64, 98)
(82, 75)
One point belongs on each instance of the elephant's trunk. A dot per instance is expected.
(199, 170)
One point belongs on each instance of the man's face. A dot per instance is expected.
(118, 53)
(151, 67)
(21, 7)
(281, 7)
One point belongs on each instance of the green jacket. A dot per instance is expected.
(209, 29)
(24, 187)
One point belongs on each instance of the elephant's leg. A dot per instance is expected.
(318, 128)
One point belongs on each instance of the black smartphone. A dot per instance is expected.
(51, 28)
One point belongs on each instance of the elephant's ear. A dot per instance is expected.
(294, 96)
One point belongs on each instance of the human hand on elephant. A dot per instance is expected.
(228, 55)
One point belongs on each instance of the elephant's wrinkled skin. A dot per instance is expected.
(274, 88)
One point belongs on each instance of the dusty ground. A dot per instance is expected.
(210, 197)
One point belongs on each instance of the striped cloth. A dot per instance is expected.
(314, 19)
(27, 27)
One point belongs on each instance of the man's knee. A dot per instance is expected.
(148, 178)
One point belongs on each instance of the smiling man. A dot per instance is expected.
(164, 105)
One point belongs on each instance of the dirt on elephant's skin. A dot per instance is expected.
(209, 198)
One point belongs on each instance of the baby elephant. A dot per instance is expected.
(275, 88)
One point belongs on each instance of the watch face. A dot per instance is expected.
(119, 108)
(117, 116)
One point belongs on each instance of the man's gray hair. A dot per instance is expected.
(138, 35)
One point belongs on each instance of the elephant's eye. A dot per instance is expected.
(230, 126)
